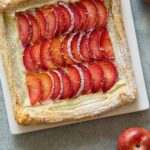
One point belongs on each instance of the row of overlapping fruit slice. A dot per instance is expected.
(67, 50)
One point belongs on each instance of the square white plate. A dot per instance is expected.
(141, 104)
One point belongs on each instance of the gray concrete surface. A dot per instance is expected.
(94, 135)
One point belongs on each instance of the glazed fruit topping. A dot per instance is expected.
(84, 48)
(71, 81)
(84, 15)
(36, 33)
(67, 86)
(69, 17)
(55, 51)
(75, 48)
(34, 87)
(102, 14)
(28, 61)
(68, 50)
(88, 84)
(93, 44)
(110, 74)
(106, 45)
(39, 15)
(45, 55)
(92, 14)
(76, 16)
(46, 84)
(24, 27)
(76, 79)
(61, 18)
(97, 75)
(58, 87)
(35, 55)
(65, 49)
(51, 20)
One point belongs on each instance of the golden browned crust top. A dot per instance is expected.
(8, 4)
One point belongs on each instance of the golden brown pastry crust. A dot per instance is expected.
(8, 4)
(75, 112)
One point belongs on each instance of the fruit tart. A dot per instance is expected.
(65, 61)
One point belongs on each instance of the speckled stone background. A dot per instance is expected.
(100, 134)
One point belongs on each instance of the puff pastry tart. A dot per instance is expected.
(65, 61)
